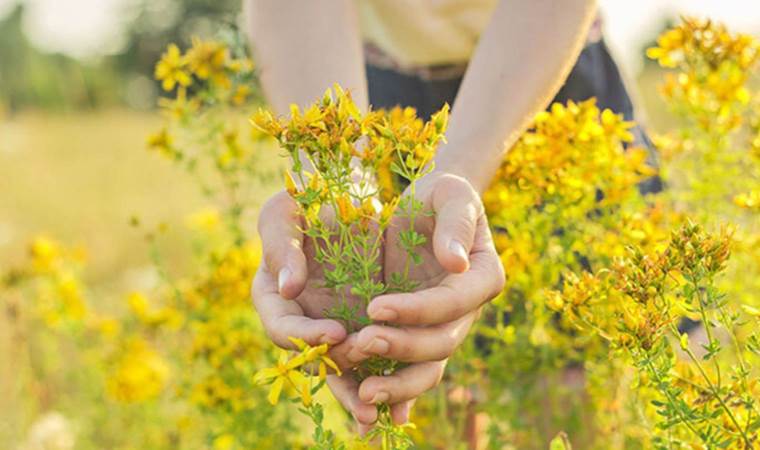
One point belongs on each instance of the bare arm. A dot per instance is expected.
(302, 47)
(522, 60)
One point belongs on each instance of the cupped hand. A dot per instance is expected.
(288, 289)
(460, 271)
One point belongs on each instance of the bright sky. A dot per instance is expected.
(91, 27)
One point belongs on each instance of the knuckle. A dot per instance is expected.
(370, 332)
(462, 226)
(457, 308)
(412, 310)
(271, 256)
(407, 305)
(453, 306)
(449, 343)
(403, 343)
(371, 385)
(496, 277)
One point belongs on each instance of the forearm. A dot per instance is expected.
(524, 56)
(302, 47)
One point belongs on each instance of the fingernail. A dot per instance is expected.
(377, 346)
(380, 397)
(283, 277)
(458, 249)
(385, 314)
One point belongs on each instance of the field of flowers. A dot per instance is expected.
(628, 319)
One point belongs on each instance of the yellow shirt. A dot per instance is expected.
(425, 32)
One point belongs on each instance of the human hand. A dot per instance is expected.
(460, 271)
(288, 291)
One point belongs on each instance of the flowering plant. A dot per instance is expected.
(336, 154)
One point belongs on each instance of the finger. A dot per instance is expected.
(346, 355)
(281, 240)
(406, 384)
(455, 296)
(283, 319)
(363, 429)
(400, 412)
(412, 344)
(346, 390)
(457, 210)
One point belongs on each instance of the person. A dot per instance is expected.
(499, 63)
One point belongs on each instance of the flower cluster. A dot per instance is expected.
(637, 306)
(565, 198)
(205, 64)
(139, 374)
(338, 154)
(201, 135)
(714, 67)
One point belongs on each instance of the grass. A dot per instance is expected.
(81, 178)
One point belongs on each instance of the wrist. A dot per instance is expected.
(475, 160)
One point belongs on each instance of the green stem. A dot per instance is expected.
(715, 392)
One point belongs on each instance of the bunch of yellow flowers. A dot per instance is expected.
(714, 66)
(703, 396)
(334, 181)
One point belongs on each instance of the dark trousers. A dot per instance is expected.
(595, 74)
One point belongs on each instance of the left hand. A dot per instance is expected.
(460, 271)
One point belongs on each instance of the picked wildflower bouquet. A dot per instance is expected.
(337, 156)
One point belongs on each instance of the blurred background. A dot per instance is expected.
(77, 99)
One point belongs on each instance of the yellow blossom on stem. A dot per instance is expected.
(316, 354)
(171, 70)
(287, 371)
(207, 60)
(140, 373)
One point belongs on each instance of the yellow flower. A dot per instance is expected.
(347, 212)
(140, 373)
(180, 107)
(266, 122)
(286, 371)
(240, 65)
(73, 306)
(241, 95)
(207, 60)
(171, 69)
(162, 142)
(389, 208)
(749, 200)
(107, 327)
(206, 219)
(45, 253)
(316, 354)
(290, 184)
(140, 307)
(224, 442)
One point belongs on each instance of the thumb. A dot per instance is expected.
(281, 240)
(458, 209)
